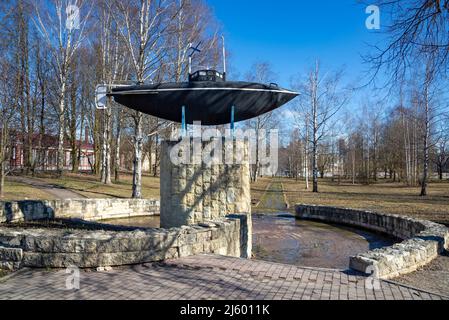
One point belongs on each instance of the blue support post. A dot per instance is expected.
(232, 121)
(184, 126)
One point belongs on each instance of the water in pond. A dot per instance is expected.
(308, 243)
(298, 242)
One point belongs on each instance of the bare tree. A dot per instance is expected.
(8, 109)
(118, 140)
(113, 68)
(63, 37)
(291, 157)
(441, 159)
(419, 32)
(301, 118)
(42, 78)
(260, 72)
(26, 109)
(427, 126)
(375, 129)
(306, 148)
(418, 28)
(193, 24)
(142, 25)
(321, 98)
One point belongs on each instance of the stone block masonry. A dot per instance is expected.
(422, 240)
(10, 258)
(85, 209)
(194, 191)
(205, 208)
(59, 248)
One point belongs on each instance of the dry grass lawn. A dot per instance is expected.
(90, 186)
(22, 191)
(383, 197)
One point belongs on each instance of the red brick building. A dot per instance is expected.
(45, 153)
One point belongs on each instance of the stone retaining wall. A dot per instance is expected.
(422, 240)
(57, 248)
(86, 209)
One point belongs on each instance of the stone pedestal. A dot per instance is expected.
(203, 181)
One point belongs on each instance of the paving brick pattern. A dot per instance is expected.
(205, 277)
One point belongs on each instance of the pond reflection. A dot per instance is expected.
(297, 242)
(308, 243)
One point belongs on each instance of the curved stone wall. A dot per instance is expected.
(56, 248)
(422, 240)
(86, 209)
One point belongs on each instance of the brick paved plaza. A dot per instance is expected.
(205, 277)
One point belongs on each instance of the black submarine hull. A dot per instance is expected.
(208, 102)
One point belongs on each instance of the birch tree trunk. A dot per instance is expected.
(138, 146)
(106, 145)
(64, 43)
(367, 161)
(117, 147)
(306, 152)
(82, 131)
(3, 139)
(103, 147)
(257, 164)
(406, 150)
(73, 121)
(156, 155)
(315, 129)
(353, 166)
(322, 99)
(426, 142)
(107, 179)
(315, 166)
(61, 126)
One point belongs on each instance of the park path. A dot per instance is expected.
(56, 191)
(206, 277)
(273, 198)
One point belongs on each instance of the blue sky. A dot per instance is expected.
(291, 34)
